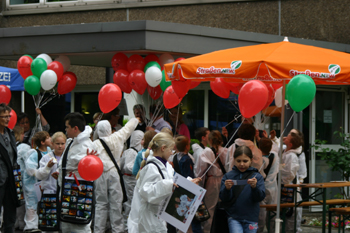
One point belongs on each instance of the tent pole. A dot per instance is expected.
(22, 101)
(278, 220)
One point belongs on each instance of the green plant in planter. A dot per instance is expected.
(192, 142)
(125, 121)
(338, 160)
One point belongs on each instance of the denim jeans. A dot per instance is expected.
(242, 226)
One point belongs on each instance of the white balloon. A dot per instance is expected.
(278, 98)
(153, 76)
(165, 58)
(64, 61)
(46, 57)
(48, 79)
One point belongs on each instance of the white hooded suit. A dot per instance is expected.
(151, 189)
(126, 165)
(108, 191)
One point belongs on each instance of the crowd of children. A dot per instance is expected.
(137, 178)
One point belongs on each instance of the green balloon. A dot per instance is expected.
(32, 85)
(28, 56)
(164, 84)
(38, 66)
(301, 91)
(150, 64)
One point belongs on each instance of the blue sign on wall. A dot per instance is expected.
(11, 78)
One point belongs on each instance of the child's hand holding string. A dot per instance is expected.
(252, 182)
(228, 184)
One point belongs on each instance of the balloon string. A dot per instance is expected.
(274, 110)
(48, 100)
(177, 118)
(41, 98)
(288, 123)
(236, 118)
(45, 101)
(157, 112)
(34, 101)
(206, 171)
(234, 106)
(154, 116)
(234, 133)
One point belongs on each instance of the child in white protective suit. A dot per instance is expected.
(153, 187)
(77, 147)
(246, 134)
(41, 141)
(108, 189)
(213, 175)
(48, 164)
(126, 165)
(22, 149)
(265, 145)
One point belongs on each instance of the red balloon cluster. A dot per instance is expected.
(138, 74)
(129, 74)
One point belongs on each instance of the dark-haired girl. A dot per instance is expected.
(242, 201)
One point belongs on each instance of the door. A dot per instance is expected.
(328, 112)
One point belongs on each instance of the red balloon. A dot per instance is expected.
(194, 84)
(154, 92)
(135, 62)
(137, 81)
(90, 167)
(180, 59)
(57, 67)
(220, 88)
(24, 66)
(120, 78)
(252, 98)
(5, 94)
(119, 61)
(170, 99)
(181, 87)
(67, 83)
(152, 57)
(276, 86)
(236, 89)
(109, 97)
(13, 119)
(271, 95)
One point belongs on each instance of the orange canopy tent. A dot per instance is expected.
(275, 63)
(270, 63)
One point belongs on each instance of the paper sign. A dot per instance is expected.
(38, 190)
(240, 182)
(327, 116)
(180, 208)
